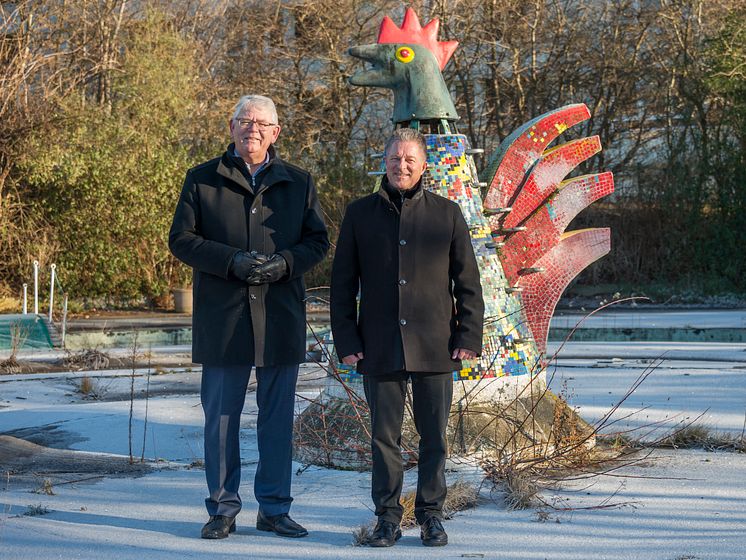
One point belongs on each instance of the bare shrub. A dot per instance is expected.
(572, 450)
(18, 335)
(89, 359)
(521, 489)
(34, 510)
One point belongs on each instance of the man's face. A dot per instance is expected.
(251, 134)
(405, 164)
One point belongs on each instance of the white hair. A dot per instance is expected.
(255, 102)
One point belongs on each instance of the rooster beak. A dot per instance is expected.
(380, 57)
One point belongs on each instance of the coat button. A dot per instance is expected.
(402, 242)
(253, 210)
(402, 282)
(252, 297)
(402, 322)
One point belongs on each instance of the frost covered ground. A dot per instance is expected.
(677, 504)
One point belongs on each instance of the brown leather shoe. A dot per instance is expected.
(280, 525)
(219, 527)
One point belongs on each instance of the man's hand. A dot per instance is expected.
(352, 359)
(463, 354)
(243, 264)
(274, 269)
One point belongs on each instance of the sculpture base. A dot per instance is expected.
(489, 419)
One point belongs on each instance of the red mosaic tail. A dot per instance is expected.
(529, 204)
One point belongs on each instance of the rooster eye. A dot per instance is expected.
(405, 54)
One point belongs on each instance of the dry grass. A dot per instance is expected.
(407, 502)
(46, 487)
(688, 437)
(10, 305)
(461, 495)
(697, 436)
(10, 366)
(90, 388)
(85, 385)
(619, 442)
(362, 534)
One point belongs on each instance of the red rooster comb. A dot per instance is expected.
(412, 32)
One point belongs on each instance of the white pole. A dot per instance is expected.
(25, 298)
(36, 287)
(64, 319)
(51, 292)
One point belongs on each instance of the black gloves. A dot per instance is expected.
(256, 269)
(243, 264)
(272, 270)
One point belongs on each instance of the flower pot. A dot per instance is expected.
(183, 300)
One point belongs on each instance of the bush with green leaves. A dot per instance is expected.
(107, 176)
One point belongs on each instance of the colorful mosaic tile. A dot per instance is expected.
(507, 345)
(543, 229)
(575, 251)
(518, 152)
(545, 178)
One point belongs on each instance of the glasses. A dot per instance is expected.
(246, 123)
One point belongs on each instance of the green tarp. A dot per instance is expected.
(24, 331)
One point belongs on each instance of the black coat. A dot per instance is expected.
(418, 280)
(221, 212)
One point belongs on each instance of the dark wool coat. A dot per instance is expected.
(418, 280)
(221, 210)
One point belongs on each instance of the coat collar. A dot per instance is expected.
(385, 187)
(234, 168)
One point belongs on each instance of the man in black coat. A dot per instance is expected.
(408, 253)
(249, 224)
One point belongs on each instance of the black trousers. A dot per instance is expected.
(431, 399)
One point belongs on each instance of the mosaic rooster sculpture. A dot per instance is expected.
(526, 258)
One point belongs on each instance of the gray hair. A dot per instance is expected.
(256, 102)
(406, 135)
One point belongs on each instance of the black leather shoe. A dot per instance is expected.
(432, 532)
(280, 525)
(219, 527)
(386, 533)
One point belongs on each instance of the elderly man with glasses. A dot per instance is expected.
(249, 224)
